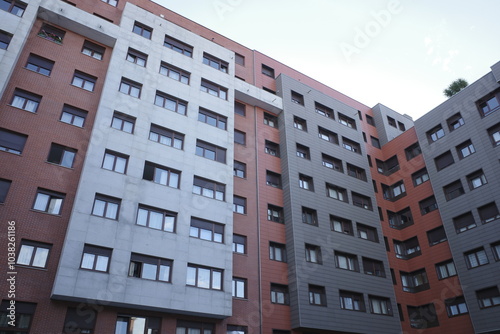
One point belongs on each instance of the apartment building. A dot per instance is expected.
(164, 178)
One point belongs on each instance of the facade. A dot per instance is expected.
(157, 177)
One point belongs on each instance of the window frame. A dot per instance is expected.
(142, 30)
(138, 262)
(218, 189)
(35, 246)
(130, 87)
(172, 103)
(476, 258)
(313, 253)
(239, 244)
(49, 206)
(125, 121)
(273, 179)
(212, 272)
(29, 101)
(168, 70)
(214, 89)
(107, 201)
(165, 136)
(156, 173)
(77, 116)
(345, 225)
(205, 150)
(51, 33)
(58, 155)
(97, 252)
(446, 269)
(178, 46)
(83, 80)
(205, 116)
(299, 123)
(279, 294)
(39, 64)
(137, 57)
(168, 218)
(215, 62)
(239, 205)
(317, 295)
(346, 261)
(356, 300)
(239, 169)
(239, 284)
(275, 249)
(92, 49)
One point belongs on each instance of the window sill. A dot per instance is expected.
(30, 267)
(46, 213)
(45, 75)
(31, 112)
(54, 164)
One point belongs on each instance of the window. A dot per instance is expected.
(191, 327)
(24, 313)
(456, 306)
(279, 294)
(96, 258)
(12, 142)
(204, 277)
(415, 281)
(401, 126)
(213, 89)
(427, 205)
(210, 151)
(155, 218)
(362, 201)
(464, 222)
(270, 120)
(336, 192)
(488, 297)
(436, 236)
(453, 190)
(84, 81)
(137, 57)
(272, 148)
(407, 249)
(266, 70)
(123, 122)
(465, 149)
(488, 213)
(239, 169)
(303, 152)
(80, 319)
(495, 248)
(422, 317)
(73, 116)
(211, 118)
(142, 30)
(240, 137)
(373, 267)
(313, 254)
(370, 120)
(331, 162)
(317, 295)
(488, 104)
(367, 232)
(380, 305)
(15, 7)
(297, 98)
(239, 204)
(493, 132)
(401, 219)
(215, 62)
(444, 160)
(126, 324)
(299, 123)
(61, 155)
(357, 172)
(130, 87)
(170, 102)
(351, 145)
(166, 136)
(341, 225)
(277, 252)
(420, 177)
(446, 269)
(5, 39)
(178, 46)
(175, 73)
(239, 244)
(347, 121)
(273, 179)
(113, 3)
(375, 142)
(476, 179)
(39, 64)
(435, 133)
(309, 216)
(476, 257)
(161, 174)
(51, 33)
(149, 267)
(4, 189)
(239, 59)
(33, 254)
(306, 182)
(106, 206)
(25, 100)
(328, 135)
(346, 261)
(412, 151)
(93, 50)
(239, 287)
(206, 230)
(351, 301)
(48, 201)
(209, 188)
(239, 108)
(455, 121)
(391, 121)
(323, 110)
(275, 213)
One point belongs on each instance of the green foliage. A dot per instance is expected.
(455, 87)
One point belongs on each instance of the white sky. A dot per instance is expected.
(412, 50)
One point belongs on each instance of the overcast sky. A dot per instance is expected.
(400, 53)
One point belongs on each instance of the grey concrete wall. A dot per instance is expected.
(386, 132)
